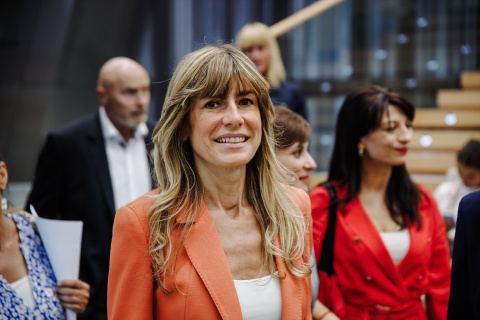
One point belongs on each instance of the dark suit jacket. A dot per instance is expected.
(72, 182)
(465, 289)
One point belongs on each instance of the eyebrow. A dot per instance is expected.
(244, 93)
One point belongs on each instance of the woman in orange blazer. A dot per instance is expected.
(222, 238)
(390, 253)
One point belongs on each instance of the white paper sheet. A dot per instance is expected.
(62, 241)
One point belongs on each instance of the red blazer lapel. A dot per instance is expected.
(206, 253)
(365, 234)
(418, 240)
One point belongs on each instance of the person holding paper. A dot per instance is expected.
(222, 238)
(27, 281)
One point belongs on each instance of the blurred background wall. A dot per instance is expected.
(51, 50)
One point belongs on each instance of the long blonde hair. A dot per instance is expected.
(208, 72)
(257, 33)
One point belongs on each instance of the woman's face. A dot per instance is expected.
(260, 55)
(297, 158)
(470, 175)
(225, 132)
(388, 144)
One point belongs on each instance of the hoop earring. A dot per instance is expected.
(361, 151)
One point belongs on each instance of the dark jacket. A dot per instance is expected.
(72, 182)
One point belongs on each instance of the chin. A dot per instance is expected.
(301, 185)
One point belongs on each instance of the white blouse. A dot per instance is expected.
(397, 244)
(260, 299)
(24, 290)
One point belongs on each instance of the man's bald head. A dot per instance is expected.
(117, 67)
(123, 88)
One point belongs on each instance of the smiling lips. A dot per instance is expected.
(231, 140)
(402, 150)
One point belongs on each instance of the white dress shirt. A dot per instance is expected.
(127, 162)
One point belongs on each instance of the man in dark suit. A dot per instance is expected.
(464, 300)
(89, 168)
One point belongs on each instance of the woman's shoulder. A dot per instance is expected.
(23, 219)
(321, 190)
(137, 209)
(299, 196)
(426, 197)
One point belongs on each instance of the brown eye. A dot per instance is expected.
(245, 102)
(211, 104)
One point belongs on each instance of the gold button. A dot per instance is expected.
(356, 239)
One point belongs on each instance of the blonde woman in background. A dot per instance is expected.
(257, 42)
(222, 238)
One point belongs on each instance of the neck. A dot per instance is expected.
(7, 231)
(223, 188)
(375, 177)
(126, 134)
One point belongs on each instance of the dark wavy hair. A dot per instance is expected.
(469, 155)
(361, 113)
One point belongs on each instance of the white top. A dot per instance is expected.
(260, 299)
(23, 288)
(127, 162)
(397, 244)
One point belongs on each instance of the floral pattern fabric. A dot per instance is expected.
(42, 280)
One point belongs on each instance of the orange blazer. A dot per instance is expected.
(365, 276)
(205, 284)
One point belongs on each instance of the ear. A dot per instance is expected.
(102, 94)
(3, 176)
(361, 143)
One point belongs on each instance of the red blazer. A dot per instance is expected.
(202, 273)
(366, 277)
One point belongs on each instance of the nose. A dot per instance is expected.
(232, 116)
(309, 164)
(406, 134)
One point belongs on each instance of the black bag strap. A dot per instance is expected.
(326, 259)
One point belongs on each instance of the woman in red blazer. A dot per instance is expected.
(221, 238)
(390, 252)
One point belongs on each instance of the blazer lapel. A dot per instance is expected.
(206, 253)
(98, 154)
(418, 239)
(367, 235)
(292, 295)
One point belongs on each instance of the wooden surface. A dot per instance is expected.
(435, 118)
(430, 162)
(445, 140)
(458, 99)
(470, 80)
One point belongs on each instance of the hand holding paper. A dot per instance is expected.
(62, 241)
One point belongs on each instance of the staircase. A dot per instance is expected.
(439, 133)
